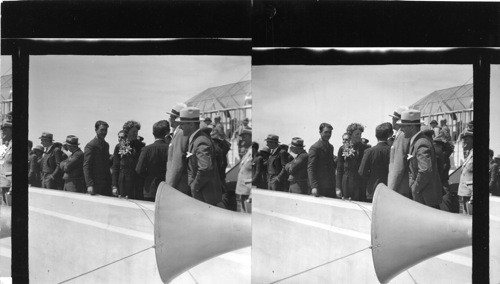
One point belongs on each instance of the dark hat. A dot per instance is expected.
(246, 119)
(71, 140)
(46, 135)
(434, 122)
(177, 108)
(246, 131)
(410, 117)
(38, 147)
(273, 137)
(207, 119)
(189, 114)
(297, 142)
(398, 111)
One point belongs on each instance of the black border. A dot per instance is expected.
(375, 24)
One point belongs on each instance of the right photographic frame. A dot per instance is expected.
(330, 118)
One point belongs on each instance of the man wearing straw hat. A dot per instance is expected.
(425, 184)
(398, 164)
(297, 168)
(203, 175)
(51, 160)
(6, 160)
(177, 176)
(74, 179)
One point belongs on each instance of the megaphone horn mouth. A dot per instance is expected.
(419, 232)
(207, 231)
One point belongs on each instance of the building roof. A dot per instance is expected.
(446, 100)
(229, 96)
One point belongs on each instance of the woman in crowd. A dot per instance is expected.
(349, 182)
(126, 182)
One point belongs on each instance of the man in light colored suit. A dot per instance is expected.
(425, 183)
(398, 164)
(203, 175)
(6, 160)
(465, 192)
(177, 176)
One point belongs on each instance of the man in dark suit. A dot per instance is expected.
(398, 179)
(177, 176)
(297, 168)
(152, 163)
(203, 176)
(374, 167)
(321, 164)
(50, 162)
(425, 184)
(96, 167)
(73, 166)
(276, 173)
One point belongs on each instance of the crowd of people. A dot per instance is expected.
(189, 154)
(409, 157)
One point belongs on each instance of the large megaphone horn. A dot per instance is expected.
(405, 232)
(189, 232)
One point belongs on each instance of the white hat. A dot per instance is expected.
(177, 108)
(189, 114)
(410, 117)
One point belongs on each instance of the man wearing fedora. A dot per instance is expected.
(203, 176)
(424, 180)
(72, 167)
(297, 168)
(34, 174)
(321, 164)
(276, 173)
(177, 175)
(6, 160)
(465, 189)
(96, 168)
(398, 179)
(374, 167)
(51, 160)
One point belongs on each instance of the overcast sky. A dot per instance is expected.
(293, 100)
(68, 94)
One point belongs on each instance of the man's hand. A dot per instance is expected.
(338, 191)
(115, 191)
(314, 192)
(90, 190)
